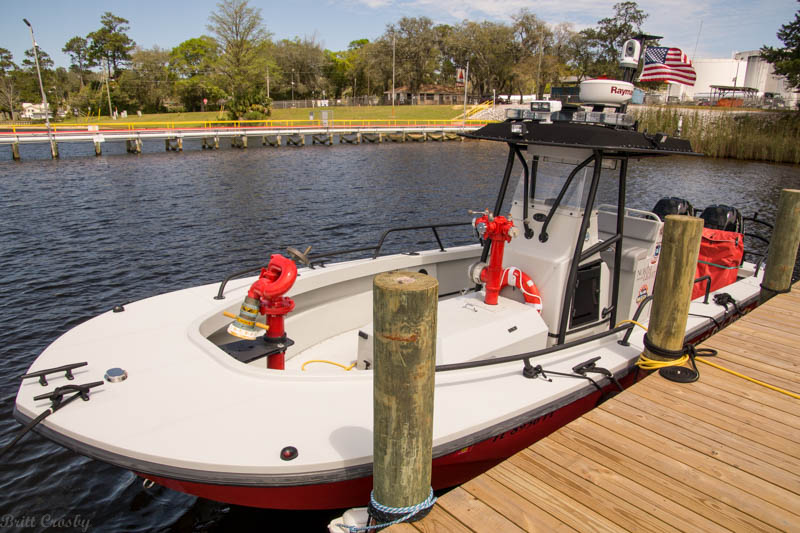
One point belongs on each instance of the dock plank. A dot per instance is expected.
(474, 513)
(637, 494)
(720, 454)
(522, 512)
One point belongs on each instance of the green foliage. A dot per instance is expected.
(242, 39)
(9, 91)
(78, 50)
(786, 60)
(111, 42)
(193, 62)
(754, 136)
(148, 84)
(601, 46)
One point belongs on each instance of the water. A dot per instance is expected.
(81, 234)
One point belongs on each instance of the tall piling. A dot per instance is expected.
(783, 246)
(98, 150)
(672, 293)
(404, 314)
(15, 151)
(53, 149)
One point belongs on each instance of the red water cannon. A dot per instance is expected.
(499, 230)
(266, 297)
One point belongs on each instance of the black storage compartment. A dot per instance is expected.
(586, 305)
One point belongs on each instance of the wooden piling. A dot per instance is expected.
(15, 151)
(674, 282)
(166, 145)
(404, 313)
(244, 141)
(216, 143)
(98, 150)
(54, 149)
(783, 246)
(178, 148)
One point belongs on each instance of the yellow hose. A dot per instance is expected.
(748, 378)
(645, 363)
(328, 362)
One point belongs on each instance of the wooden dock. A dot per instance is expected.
(281, 135)
(720, 454)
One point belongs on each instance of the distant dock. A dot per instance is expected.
(269, 133)
(720, 454)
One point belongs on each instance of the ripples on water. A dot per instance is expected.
(79, 235)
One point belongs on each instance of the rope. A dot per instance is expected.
(676, 357)
(748, 378)
(406, 512)
(776, 291)
(690, 353)
(303, 367)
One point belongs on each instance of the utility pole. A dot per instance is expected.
(41, 87)
(393, 54)
(539, 92)
(108, 91)
(466, 83)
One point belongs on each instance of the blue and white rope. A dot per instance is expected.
(407, 512)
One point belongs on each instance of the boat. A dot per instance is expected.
(257, 391)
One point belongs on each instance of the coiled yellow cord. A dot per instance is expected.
(303, 367)
(645, 363)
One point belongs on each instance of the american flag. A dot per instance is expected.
(667, 64)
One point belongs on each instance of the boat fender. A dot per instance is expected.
(519, 279)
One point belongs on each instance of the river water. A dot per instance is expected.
(82, 234)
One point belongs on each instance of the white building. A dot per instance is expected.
(710, 72)
(761, 76)
(35, 111)
(745, 70)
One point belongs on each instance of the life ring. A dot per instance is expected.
(276, 279)
(517, 278)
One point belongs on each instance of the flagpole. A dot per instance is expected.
(694, 54)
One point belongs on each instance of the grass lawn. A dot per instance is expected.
(406, 112)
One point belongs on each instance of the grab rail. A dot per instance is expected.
(375, 249)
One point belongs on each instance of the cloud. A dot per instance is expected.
(728, 25)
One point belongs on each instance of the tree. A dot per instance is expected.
(417, 50)
(242, 38)
(9, 93)
(148, 83)
(111, 42)
(193, 63)
(301, 62)
(786, 60)
(605, 41)
(78, 50)
(28, 78)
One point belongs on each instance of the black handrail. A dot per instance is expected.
(375, 249)
(755, 218)
(524, 357)
(707, 279)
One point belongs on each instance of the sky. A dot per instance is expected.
(701, 28)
